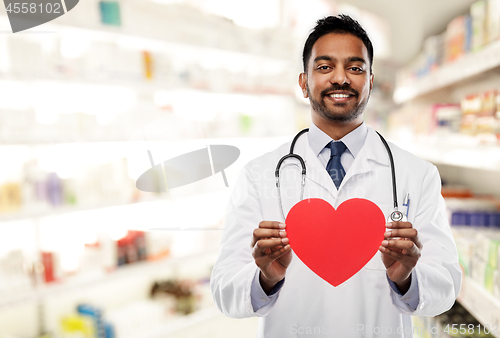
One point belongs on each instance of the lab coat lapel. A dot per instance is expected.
(372, 152)
(375, 149)
(316, 173)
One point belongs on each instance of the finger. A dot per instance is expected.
(398, 225)
(284, 242)
(263, 246)
(412, 235)
(271, 225)
(283, 251)
(267, 233)
(398, 244)
(401, 233)
(406, 234)
(406, 260)
(265, 260)
(278, 247)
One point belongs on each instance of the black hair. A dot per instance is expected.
(342, 24)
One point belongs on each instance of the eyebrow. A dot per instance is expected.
(356, 59)
(328, 58)
(322, 58)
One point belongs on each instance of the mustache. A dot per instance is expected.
(335, 87)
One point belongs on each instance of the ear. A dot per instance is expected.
(371, 81)
(303, 84)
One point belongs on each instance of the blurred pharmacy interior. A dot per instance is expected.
(93, 99)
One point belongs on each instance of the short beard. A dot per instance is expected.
(322, 110)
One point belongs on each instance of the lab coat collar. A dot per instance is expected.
(375, 149)
(372, 152)
(316, 172)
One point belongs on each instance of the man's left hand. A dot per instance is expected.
(400, 250)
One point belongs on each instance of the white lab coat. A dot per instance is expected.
(364, 305)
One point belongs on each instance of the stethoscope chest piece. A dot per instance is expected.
(396, 216)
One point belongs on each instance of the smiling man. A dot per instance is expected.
(415, 270)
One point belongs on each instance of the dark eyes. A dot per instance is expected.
(354, 69)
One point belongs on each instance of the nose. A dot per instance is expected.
(339, 76)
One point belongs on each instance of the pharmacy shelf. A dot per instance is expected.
(154, 40)
(143, 86)
(481, 304)
(250, 148)
(462, 69)
(78, 283)
(45, 211)
(91, 132)
(144, 37)
(453, 150)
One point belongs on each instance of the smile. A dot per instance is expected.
(339, 96)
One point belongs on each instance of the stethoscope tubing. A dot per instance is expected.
(303, 165)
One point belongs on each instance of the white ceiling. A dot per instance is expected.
(412, 21)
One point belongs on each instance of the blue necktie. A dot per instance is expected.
(334, 167)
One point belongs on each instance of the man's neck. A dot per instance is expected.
(337, 130)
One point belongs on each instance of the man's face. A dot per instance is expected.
(338, 80)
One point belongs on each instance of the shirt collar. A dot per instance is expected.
(354, 141)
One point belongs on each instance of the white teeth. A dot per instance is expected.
(339, 96)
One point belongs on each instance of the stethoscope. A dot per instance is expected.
(395, 215)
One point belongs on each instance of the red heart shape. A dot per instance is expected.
(335, 244)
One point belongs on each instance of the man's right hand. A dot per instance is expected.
(271, 252)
